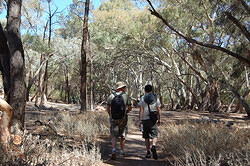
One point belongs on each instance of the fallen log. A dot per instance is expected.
(6, 117)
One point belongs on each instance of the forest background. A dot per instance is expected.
(128, 43)
(195, 53)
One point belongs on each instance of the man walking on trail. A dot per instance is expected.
(149, 117)
(118, 106)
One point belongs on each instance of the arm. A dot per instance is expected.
(108, 109)
(129, 104)
(159, 115)
(141, 113)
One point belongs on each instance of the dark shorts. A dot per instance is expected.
(150, 129)
(118, 128)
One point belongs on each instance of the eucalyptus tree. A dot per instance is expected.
(17, 63)
(5, 63)
(219, 11)
(65, 63)
(208, 23)
(41, 10)
(85, 52)
(124, 36)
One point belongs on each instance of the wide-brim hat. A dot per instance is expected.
(120, 84)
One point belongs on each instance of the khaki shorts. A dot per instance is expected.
(118, 128)
(150, 130)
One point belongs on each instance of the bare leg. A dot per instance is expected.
(147, 143)
(154, 141)
(113, 141)
(122, 143)
(153, 148)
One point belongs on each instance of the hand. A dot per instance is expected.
(141, 126)
(139, 123)
(158, 122)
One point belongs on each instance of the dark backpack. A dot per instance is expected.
(149, 99)
(118, 107)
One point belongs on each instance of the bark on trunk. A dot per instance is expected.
(17, 77)
(67, 86)
(5, 63)
(84, 52)
(211, 98)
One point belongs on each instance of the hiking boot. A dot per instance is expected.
(113, 155)
(122, 153)
(153, 150)
(148, 155)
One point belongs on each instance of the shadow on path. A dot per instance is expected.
(134, 149)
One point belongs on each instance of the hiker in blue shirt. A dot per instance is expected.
(149, 117)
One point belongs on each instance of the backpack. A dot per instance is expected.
(149, 99)
(118, 107)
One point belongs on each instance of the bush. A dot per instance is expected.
(204, 143)
(35, 151)
(65, 148)
(88, 125)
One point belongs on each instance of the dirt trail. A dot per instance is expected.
(134, 148)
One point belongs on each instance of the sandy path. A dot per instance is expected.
(134, 149)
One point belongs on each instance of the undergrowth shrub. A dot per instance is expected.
(35, 151)
(75, 143)
(206, 144)
(88, 125)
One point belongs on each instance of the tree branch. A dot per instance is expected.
(191, 40)
(239, 25)
(245, 5)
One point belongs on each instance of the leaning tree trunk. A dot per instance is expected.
(84, 52)
(5, 63)
(17, 76)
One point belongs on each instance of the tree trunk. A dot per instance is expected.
(215, 102)
(41, 71)
(44, 86)
(29, 83)
(67, 86)
(17, 64)
(5, 64)
(91, 84)
(242, 100)
(84, 52)
(211, 98)
(40, 79)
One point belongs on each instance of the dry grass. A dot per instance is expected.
(56, 150)
(206, 144)
(88, 125)
(35, 151)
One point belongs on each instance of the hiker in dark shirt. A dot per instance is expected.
(119, 104)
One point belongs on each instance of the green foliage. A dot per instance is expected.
(116, 4)
(130, 44)
(36, 44)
